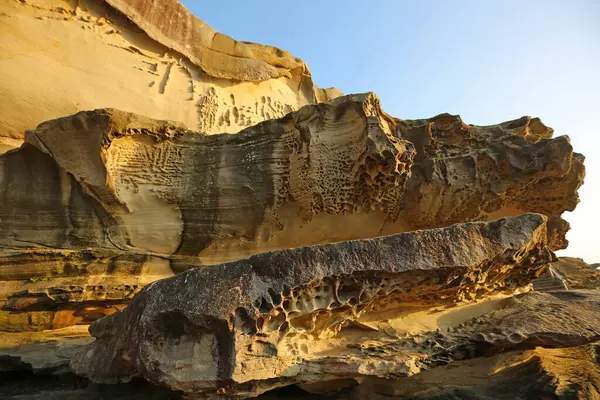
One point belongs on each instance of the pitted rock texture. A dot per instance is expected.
(140, 63)
(494, 349)
(331, 172)
(279, 318)
(99, 206)
(463, 172)
(139, 184)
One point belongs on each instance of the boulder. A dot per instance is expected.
(323, 313)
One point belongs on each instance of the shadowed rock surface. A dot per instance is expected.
(52, 289)
(540, 373)
(214, 164)
(495, 355)
(278, 318)
(158, 198)
(28, 386)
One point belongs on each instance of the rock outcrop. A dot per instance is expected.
(280, 318)
(149, 57)
(516, 347)
(552, 373)
(569, 273)
(171, 24)
(152, 195)
(229, 229)
(54, 289)
(138, 183)
(464, 172)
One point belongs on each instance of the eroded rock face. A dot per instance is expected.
(493, 348)
(465, 172)
(100, 204)
(149, 57)
(137, 183)
(53, 289)
(155, 190)
(277, 318)
(558, 373)
(146, 185)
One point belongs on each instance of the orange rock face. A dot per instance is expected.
(171, 24)
(138, 144)
(331, 172)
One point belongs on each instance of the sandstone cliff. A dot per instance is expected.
(145, 185)
(504, 347)
(148, 57)
(228, 228)
(148, 195)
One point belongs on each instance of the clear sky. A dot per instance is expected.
(487, 60)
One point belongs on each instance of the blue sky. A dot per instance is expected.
(488, 61)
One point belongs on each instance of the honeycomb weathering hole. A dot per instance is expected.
(324, 306)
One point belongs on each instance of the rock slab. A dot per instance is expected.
(291, 316)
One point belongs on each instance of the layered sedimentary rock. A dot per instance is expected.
(43, 356)
(553, 373)
(137, 183)
(153, 192)
(195, 151)
(156, 186)
(152, 58)
(170, 23)
(54, 289)
(569, 273)
(280, 318)
(491, 349)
